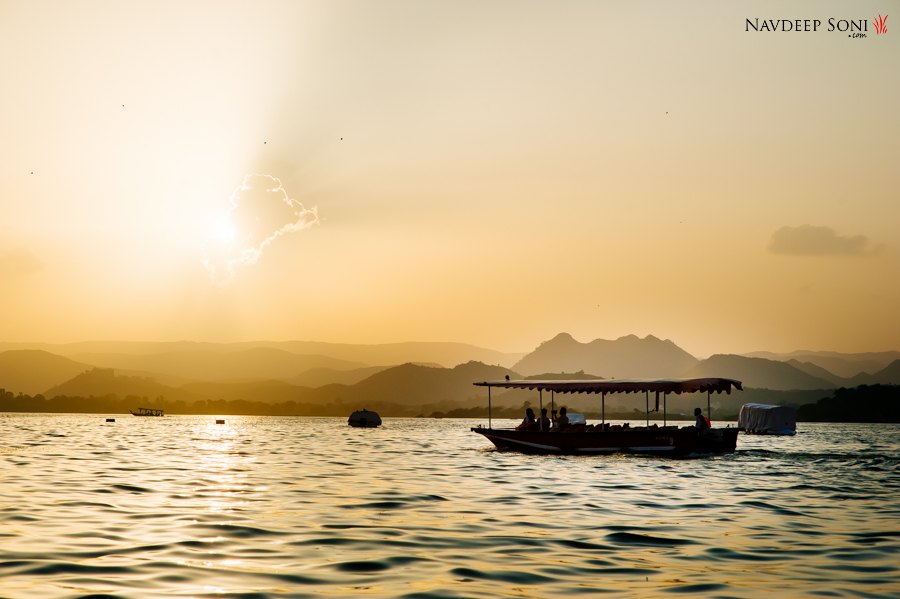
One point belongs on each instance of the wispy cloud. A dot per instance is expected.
(810, 240)
(261, 211)
(18, 263)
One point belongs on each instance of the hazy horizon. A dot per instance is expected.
(523, 352)
(491, 174)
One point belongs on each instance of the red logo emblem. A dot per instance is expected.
(881, 24)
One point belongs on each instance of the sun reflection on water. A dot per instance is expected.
(224, 463)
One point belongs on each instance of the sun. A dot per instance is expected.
(222, 231)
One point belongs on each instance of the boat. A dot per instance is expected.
(147, 412)
(767, 419)
(605, 438)
(364, 419)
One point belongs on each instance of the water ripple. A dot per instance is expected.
(308, 507)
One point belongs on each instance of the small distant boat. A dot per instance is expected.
(767, 419)
(603, 438)
(364, 419)
(146, 412)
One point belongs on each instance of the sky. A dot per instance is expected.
(488, 172)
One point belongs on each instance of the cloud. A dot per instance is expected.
(809, 240)
(261, 211)
(18, 263)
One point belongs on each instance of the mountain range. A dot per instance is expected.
(626, 357)
(845, 366)
(317, 373)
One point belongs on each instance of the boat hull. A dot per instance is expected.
(666, 441)
(780, 433)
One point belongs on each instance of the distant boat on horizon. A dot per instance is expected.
(364, 419)
(146, 412)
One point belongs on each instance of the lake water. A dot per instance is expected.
(309, 507)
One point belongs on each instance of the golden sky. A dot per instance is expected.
(484, 172)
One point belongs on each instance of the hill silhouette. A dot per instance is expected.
(889, 375)
(318, 377)
(272, 391)
(447, 354)
(757, 372)
(270, 373)
(100, 382)
(33, 371)
(408, 386)
(259, 363)
(405, 390)
(413, 384)
(818, 372)
(626, 357)
(844, 365)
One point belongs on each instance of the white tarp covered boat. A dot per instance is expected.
(767, 419)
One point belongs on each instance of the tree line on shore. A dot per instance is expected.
(865, 403)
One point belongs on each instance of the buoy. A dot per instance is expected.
(220, 422)
(110, 419)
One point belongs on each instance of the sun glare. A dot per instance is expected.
(222, 231)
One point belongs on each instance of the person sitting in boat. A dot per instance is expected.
(702, 422)
(544, 422)
(562, 421)
(529, 423)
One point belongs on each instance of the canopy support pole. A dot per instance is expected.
(603, 409)
(647, 407)
(541, 405)
(665, 412)
(489, 408)
(708, 409)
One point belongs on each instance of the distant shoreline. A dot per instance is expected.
(866, 403)
(591, 418)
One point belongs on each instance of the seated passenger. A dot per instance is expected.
(562, 422)
(544, 422)
(702, 422)
(529, 423)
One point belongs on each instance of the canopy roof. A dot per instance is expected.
(678, 386)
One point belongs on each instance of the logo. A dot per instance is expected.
(855, 28)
